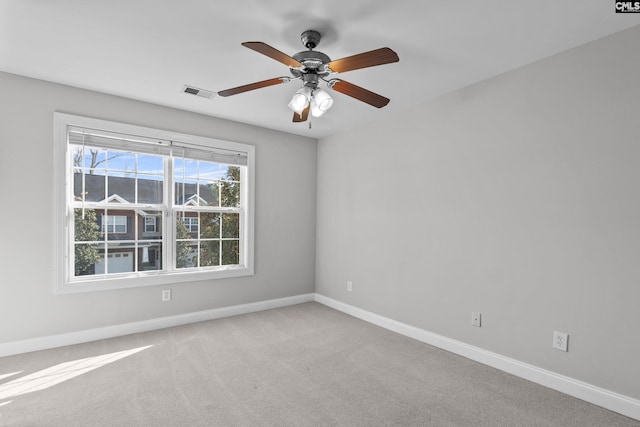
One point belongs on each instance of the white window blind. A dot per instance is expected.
(105, 139)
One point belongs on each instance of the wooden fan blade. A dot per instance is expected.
(252, 86)
(363, 60)
(297, 118)
(359, 93)
(272, 53)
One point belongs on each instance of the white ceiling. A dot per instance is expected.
(149, 49)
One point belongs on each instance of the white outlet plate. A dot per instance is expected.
(166, 295)
(349, 286)
(560, 341)
(476, 319)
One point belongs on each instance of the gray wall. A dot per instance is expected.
(285, 215)
(517, 197)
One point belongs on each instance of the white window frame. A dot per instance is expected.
(63, 193)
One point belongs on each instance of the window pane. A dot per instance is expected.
(185, 168)
(210, 171)
(188, 224)
(184, 246)
(77, 154)
(119, 258)
(121, 189)
(230, 252)
(150, 225)
(148, 164)
(95, 160)
(231, 225)
(150, 188)
(210, 225)
(149, 256)
(186, 254)
(121, 161)
(186, 191)
(230, 194)
(232, 173)
(209, 253)
(77, 157)
(78, 192)
(119, 224)
(177, 166)
(86, 229)
(86, 226)
(209, 193)
(94, 187)
(85, 257)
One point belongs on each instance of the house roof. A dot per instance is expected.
(123, 190)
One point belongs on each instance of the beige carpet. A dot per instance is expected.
(305, 365)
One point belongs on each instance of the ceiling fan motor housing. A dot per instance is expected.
(314, 65)
(310, 80)
(311, 59)
(310, 39)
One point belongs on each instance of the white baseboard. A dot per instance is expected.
(598, 396)
(53, 341)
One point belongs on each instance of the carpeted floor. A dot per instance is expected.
(304, 365)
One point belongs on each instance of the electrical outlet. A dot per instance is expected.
(476, 319)
(349, 286)
(166, 295)
(560, 341)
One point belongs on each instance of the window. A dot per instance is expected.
(114, 224)
(190, 223)
(147, 207)
(150, 224)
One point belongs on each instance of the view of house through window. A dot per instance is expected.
(136, 211)
(110, 237)
(208, 226)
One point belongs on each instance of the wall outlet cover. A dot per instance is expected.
(476, 319)
(560, 341)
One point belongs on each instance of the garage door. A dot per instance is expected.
(120, 262)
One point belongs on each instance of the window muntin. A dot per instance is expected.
(123, 191)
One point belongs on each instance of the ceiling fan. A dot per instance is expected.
(311, 66)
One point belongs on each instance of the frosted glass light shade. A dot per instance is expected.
(315, 110)
(300, 100)
(323, 99)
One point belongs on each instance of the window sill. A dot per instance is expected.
(149, 279)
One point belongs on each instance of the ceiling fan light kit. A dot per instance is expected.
(317, 99)
(311, 66)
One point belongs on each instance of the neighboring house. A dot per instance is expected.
(127, 228)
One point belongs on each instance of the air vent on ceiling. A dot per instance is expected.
(198, 92)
